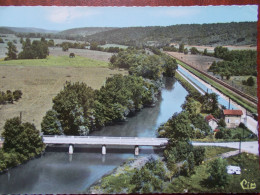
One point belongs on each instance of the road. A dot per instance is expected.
(249, 147)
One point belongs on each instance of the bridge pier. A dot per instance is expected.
(71, 148)
(136, 150)
(104, 151)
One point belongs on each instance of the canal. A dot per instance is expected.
(58, 172)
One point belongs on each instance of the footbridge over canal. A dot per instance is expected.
(104, 141)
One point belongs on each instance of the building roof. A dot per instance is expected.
(210, 117)
(233, 112)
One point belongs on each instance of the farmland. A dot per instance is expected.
(41, 81)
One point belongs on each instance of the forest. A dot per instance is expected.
(235, 62)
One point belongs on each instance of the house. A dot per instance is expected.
(212, 122)
(232, 117)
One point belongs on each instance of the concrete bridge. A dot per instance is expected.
(104, 141)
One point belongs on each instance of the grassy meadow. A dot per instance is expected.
(78, 61)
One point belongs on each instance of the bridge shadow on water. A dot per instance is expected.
(109, 149)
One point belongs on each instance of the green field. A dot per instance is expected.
(57, 61)
(222, 89)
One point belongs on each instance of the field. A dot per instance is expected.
(57, 61)
(40, 84)
(198, 61)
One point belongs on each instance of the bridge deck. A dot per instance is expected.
(95, 140)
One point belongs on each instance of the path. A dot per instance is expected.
(250, 147)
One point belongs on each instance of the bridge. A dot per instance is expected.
(104, 141)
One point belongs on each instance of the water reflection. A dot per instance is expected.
(58, 172)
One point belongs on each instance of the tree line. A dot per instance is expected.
(235, 62)
(30, 50)
(137, 62)
(78, 109)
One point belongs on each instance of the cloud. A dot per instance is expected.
(69, 14)
(180, 12)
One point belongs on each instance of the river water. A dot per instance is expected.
(58, 172)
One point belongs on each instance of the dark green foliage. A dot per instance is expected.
(222, 123)
(209, 102)
(192, 34)
(65, 47)
(199, 154)
(74, 105)
(236, 62)
(223, 133)
(186, 51)
(178, 128)
(21, 138)
(12, 51)
(218, 173)
(181, 48)
(141, 64)
(170, 66)
(170, 48)
(199, 122)
(51, 43)
(9, 96)
(1, 40)
(250, 81)
(34, 50)
(149, 179)
(122, 95)
(17, 94)
(194, 50)
(50, 124)
(78, 109)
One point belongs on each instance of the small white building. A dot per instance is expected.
(232, 117)
(212, 122)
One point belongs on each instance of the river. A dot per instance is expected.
(58, 172)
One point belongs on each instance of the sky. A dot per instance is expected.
(62, 18)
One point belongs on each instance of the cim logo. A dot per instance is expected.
(247, 185)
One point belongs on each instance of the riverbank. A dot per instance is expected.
(125, 169)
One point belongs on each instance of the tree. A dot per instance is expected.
(51, 43)
(192, 106)
(250, 81)
(50, 124)
(194, 50)
(218, 172)
(21, 138)
(222, 123)
(9, 96)
(185, 51)
(181, 48)
(12, 51)
(205, 52)
(1, 40)
(199, 154)
(65, 47)
(17, 94)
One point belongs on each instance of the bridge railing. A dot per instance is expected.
(97, 137)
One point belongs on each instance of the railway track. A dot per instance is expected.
(246, 96)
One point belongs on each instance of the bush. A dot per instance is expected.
(218, 172)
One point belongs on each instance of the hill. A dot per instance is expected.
(4, 30)
(242, 33)
(13, 30)
(85, 31)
